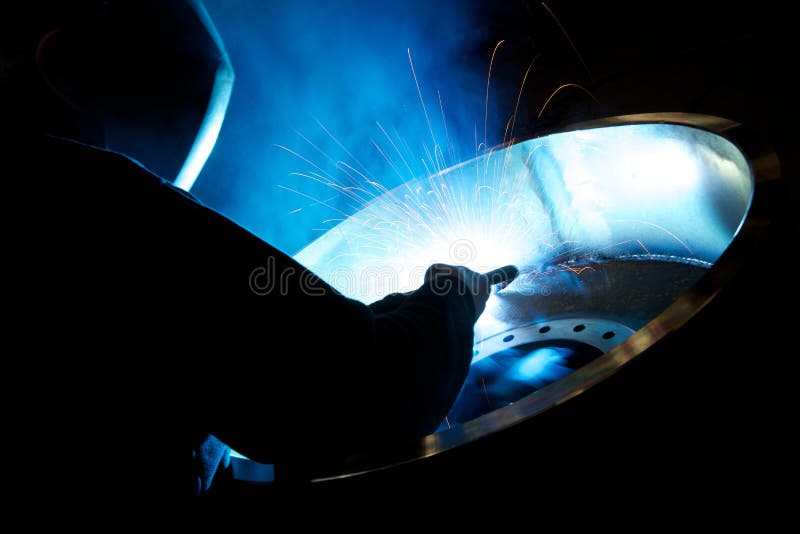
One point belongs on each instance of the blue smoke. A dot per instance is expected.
(343, 65)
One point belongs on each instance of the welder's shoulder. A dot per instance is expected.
(86, 181)
(60, 171)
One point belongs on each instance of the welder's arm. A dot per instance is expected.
(431, 331)
(390, 302)
(304, 370)
(359, 376)
(353, 376)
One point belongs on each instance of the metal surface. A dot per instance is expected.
(617, 225)
(647, 191)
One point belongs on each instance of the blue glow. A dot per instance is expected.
(390, 176)
(215, 114)
(546, 363)
(344, 64)
(209, 129)
(582, 195)
(543, 204)
(506, 376)
(645, 189)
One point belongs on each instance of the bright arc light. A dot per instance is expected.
(664, 191)
(542, 363)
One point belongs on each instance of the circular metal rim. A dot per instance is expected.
(557, 328)
(764, 167)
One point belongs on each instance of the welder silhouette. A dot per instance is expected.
(151, 339)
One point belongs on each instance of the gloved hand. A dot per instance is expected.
(441, 277)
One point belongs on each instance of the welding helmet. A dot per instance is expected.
(153, 74)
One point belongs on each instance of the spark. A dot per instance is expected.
(485, 393)
(558, 89)
(618, 244)
(450, 146)
(566, 34)
(509, 133)
(488, 82)
(421, 100)
(388, 160)
(303, 158)
(493, 204)
(339, 143)
(346, 168)
(576, 270)
(396, 149)
(519, 97)
(312, 145)
(645, 248)
(327, 205)
(659, 227)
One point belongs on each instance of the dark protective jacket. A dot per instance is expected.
(151, 322)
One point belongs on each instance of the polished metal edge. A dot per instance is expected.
(764, 167)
